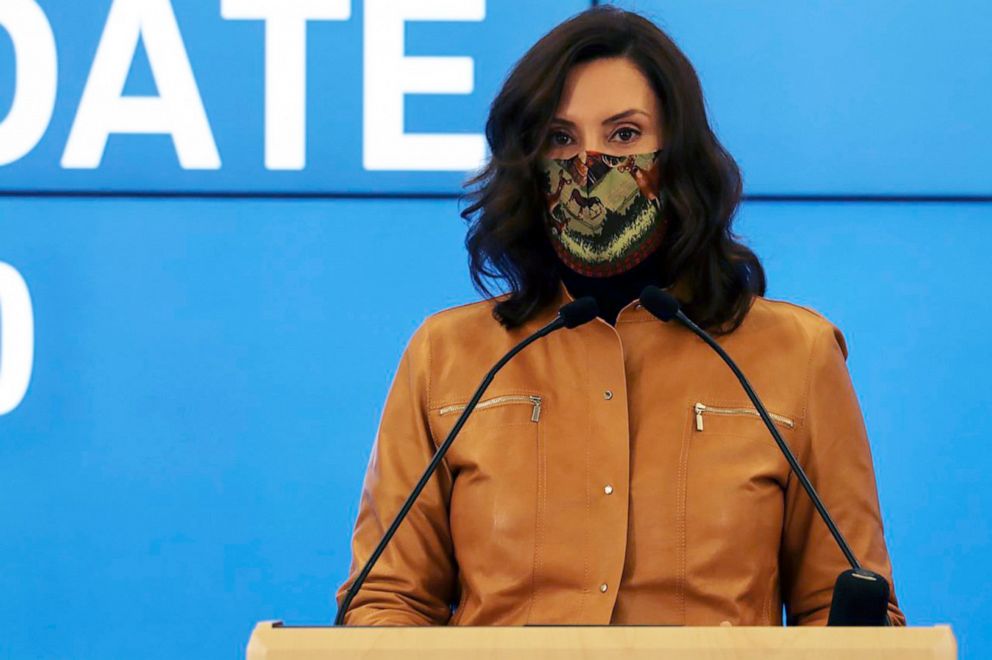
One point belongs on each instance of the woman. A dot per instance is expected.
(614, 473)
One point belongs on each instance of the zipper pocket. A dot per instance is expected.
(506, 399)
(702, 408)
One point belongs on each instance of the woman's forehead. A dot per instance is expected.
(600, 89)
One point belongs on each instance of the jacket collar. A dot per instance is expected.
(631, 312)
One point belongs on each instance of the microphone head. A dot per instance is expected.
(660, 303)
(579, 312)
(861, 598)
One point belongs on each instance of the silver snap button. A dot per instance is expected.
(608, 395)
(603, 587)
(608, 489)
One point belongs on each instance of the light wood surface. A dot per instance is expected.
(272, 641)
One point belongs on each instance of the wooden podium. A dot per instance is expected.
(271, 640)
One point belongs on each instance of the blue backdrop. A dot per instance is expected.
(210, 352)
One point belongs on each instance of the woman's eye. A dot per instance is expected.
(627, 131)
(559, 142)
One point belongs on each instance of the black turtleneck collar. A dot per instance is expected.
(614, 292)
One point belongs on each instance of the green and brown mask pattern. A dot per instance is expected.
(603, 215)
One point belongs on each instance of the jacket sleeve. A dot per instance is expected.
(833, 449)
(414, 580)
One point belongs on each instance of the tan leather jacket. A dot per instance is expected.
(616, 475)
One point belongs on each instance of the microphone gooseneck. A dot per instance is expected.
(665, 307)
(572, 315)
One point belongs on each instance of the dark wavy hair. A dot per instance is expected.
(700, 182)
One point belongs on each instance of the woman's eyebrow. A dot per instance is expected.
(608, 120)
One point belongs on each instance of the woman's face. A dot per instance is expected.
(608, 106)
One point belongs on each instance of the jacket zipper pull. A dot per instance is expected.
(699, 416)
(536, 414)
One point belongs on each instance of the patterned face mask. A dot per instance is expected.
(604, 215)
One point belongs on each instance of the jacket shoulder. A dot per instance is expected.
(459, 332)
(797, 322)
(455, 319)
(478, 313)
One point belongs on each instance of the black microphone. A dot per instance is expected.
(860, 596)
(572, 315)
